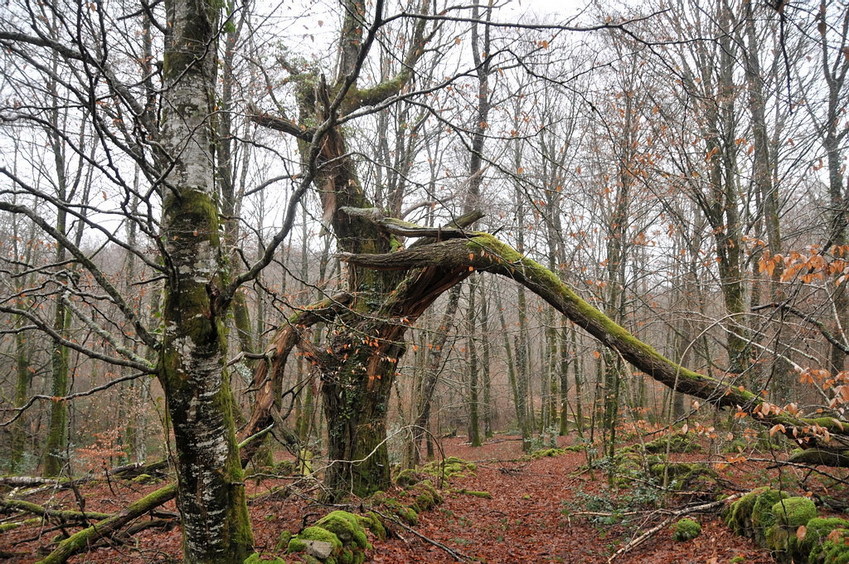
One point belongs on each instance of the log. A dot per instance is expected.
(81, 540)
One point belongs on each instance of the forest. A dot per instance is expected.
(396, 281)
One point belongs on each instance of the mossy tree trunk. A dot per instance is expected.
(211, 497)
(358, 360)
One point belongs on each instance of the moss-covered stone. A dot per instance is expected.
(810, 547)
(484, 495)
(790, 514)
(741, 515)
(794, 512)
(283, 540)
(686, 529)
(834, 549)
(257, 558)
(762, 515)
(297, 544)
(449, 467)
(683, 475)
(346, 526)
(409, 477)
(672, 443)
(373, 523)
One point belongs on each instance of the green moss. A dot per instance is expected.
(835, 549)
(372, 522)
(810, 546)
(672, 443)
(738, 515)
(144, 479)
(685, 475)
(576, 448)
(346, 526)
(316, 534)
(283, 540)
(485, 495)
(686, 529)
(408, 477)
(408, 514)
(449, 467)
(545, 452)
(794, 512)
(762, 515)
(257, 558)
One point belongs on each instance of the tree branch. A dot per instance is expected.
(486, 253)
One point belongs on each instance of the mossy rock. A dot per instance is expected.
(484, 495)
(835, 548)
(409, 477)
(403, 512)
(685, 475)
(314, 533)
(815, 533)
(686, 529)
(819, 532)
(373, 523)
(408, 514)
(346, 526)
(426, 496)
(793, 512)
(672, 443)
(285, 468)
(546, 452)
(790, 514)
(342, 530)
(739, 516)
(762, 515)
(449, 467)
(283, 540)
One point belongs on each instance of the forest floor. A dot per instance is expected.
(550, 509)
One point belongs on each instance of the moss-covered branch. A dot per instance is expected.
(484, 252)
(61, 514)
(79, 541)
(361, 97)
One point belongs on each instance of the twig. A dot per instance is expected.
(459, 557)
(674, 515)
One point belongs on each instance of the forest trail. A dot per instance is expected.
(533, 516)
(536, 512)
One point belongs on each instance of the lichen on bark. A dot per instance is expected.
(211, 496)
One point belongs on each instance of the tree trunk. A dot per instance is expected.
(211, 497)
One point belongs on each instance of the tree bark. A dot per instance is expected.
(211, 498)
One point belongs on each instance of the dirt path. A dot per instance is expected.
(531, 517)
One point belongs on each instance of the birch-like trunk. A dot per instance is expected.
(211, 494)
